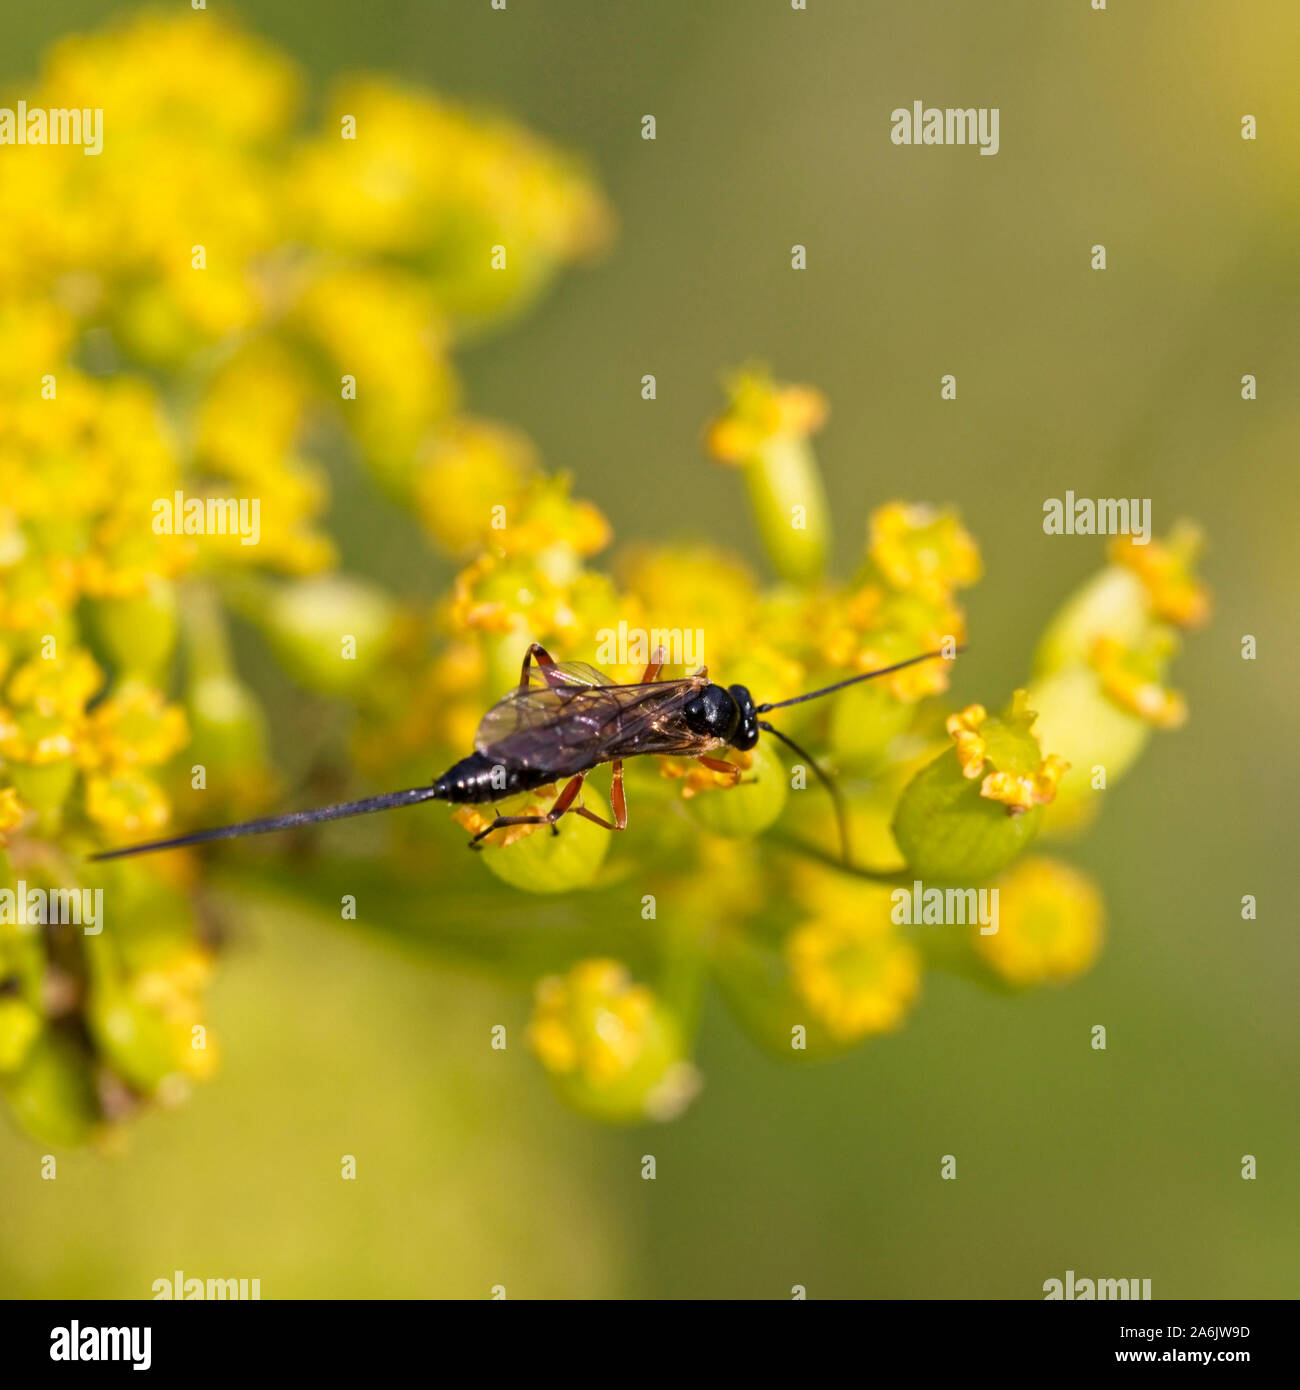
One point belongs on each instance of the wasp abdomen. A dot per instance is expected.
(481, 778)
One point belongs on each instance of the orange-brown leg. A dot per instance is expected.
(559, 806)
(619, 799)
(656, 665)
(536, 652)
(720, 765)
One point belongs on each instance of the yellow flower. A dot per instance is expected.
(423, 178)
(1166, 570)
(126, 802)
(1050, 919)
(383, 328)
(872, 628)
(469, 468)
(59, 685)
(1131, 679)
(609, 1044)
(28, 736)
(1021, 779)
(690, 590)
(856, 972)
(593, 1020)
(759, 410)
(549, 520)
(178, 73)
(922, 551)
(137, 726)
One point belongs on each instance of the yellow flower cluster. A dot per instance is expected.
(183, 318)
(49, 735)
(855, 971)
(610, 1046)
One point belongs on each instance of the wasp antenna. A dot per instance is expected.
(853, 680)
(837, 796)
(387, 802)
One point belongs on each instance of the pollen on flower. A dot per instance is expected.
(761, 410)
(1020, 778)
(963, 728)
(1024, 792)
(695, 777)
(922, 551)
(1129, 678)
(1166, 571)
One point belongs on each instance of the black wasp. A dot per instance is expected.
(563, 720)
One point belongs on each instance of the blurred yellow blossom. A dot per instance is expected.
(1050, 920)
(854, 969)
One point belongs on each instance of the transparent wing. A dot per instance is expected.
(575, 674)
(566, 729)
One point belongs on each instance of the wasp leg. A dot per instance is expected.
(617, 796)
(656, 665)
(559, 806)
(536, 652)
(719, 765)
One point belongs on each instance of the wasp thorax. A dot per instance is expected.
(712, 712)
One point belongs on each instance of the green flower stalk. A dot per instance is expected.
(766, 431)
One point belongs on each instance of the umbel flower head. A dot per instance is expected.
(146, 380)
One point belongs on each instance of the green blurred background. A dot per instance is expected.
(773, 128)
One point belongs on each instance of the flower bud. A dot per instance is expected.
(973, 809)
(329, 632)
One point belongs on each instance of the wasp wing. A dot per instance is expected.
(575, 674)
(565, 729)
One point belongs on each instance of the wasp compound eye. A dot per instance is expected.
(745, 735)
